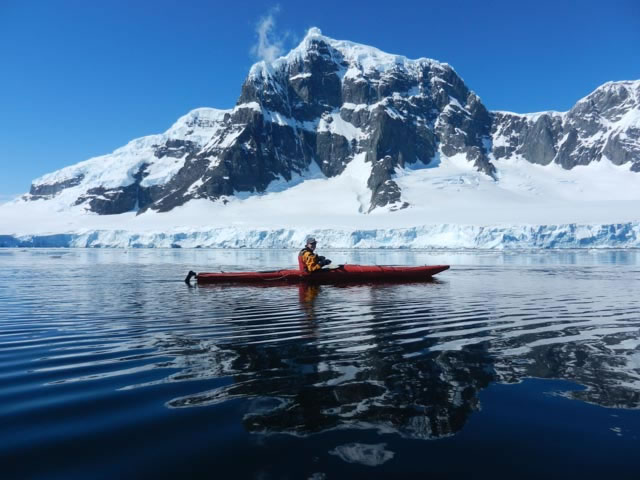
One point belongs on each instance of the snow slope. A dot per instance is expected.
(197, 126)
(452, 206)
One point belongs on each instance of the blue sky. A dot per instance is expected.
(79, 78)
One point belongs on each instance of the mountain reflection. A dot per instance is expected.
(305, 386)
(397, 359)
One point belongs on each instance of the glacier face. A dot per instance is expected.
(570, 236)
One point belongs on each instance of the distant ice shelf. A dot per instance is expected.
(444, 236)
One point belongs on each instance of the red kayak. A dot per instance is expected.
(340, 274)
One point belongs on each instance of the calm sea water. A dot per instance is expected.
(508, 365)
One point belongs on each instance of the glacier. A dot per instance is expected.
(440, 236)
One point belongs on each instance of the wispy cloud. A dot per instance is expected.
(269, 44)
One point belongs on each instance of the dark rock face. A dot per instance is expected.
(118, 200)
(176, 148)
(385, 190)
(624, 148)
(46, 191)
(323, 105)
(331, 152)
(539, 141)
(536, 139)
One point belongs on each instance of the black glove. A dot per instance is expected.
(326, 261)
(321, 258)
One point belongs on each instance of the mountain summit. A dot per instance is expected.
(332, 105)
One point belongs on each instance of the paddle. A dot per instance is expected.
(337, 267)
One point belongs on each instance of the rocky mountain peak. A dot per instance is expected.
(327, 103)
(603, 125)
(611, 101)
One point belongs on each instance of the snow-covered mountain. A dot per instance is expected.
(128, 178)
(605, 125)
(352, 134)
(329, 102)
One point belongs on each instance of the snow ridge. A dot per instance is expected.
(361, 57)
(197, 126)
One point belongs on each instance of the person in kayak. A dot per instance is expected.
(308, 260)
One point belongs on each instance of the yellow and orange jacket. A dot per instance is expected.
(308, 261)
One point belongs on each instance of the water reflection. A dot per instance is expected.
(307, 295)
(399, 360)
(348, 373)
(408, 359)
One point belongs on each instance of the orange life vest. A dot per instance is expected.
(308, 261)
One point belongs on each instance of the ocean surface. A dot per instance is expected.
(508, 365)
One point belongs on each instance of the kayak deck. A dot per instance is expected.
(342, 273)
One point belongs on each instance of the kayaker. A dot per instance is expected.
(308, 260)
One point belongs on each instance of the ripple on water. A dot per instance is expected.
(409, 358)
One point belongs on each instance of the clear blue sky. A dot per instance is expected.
(80, 78)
